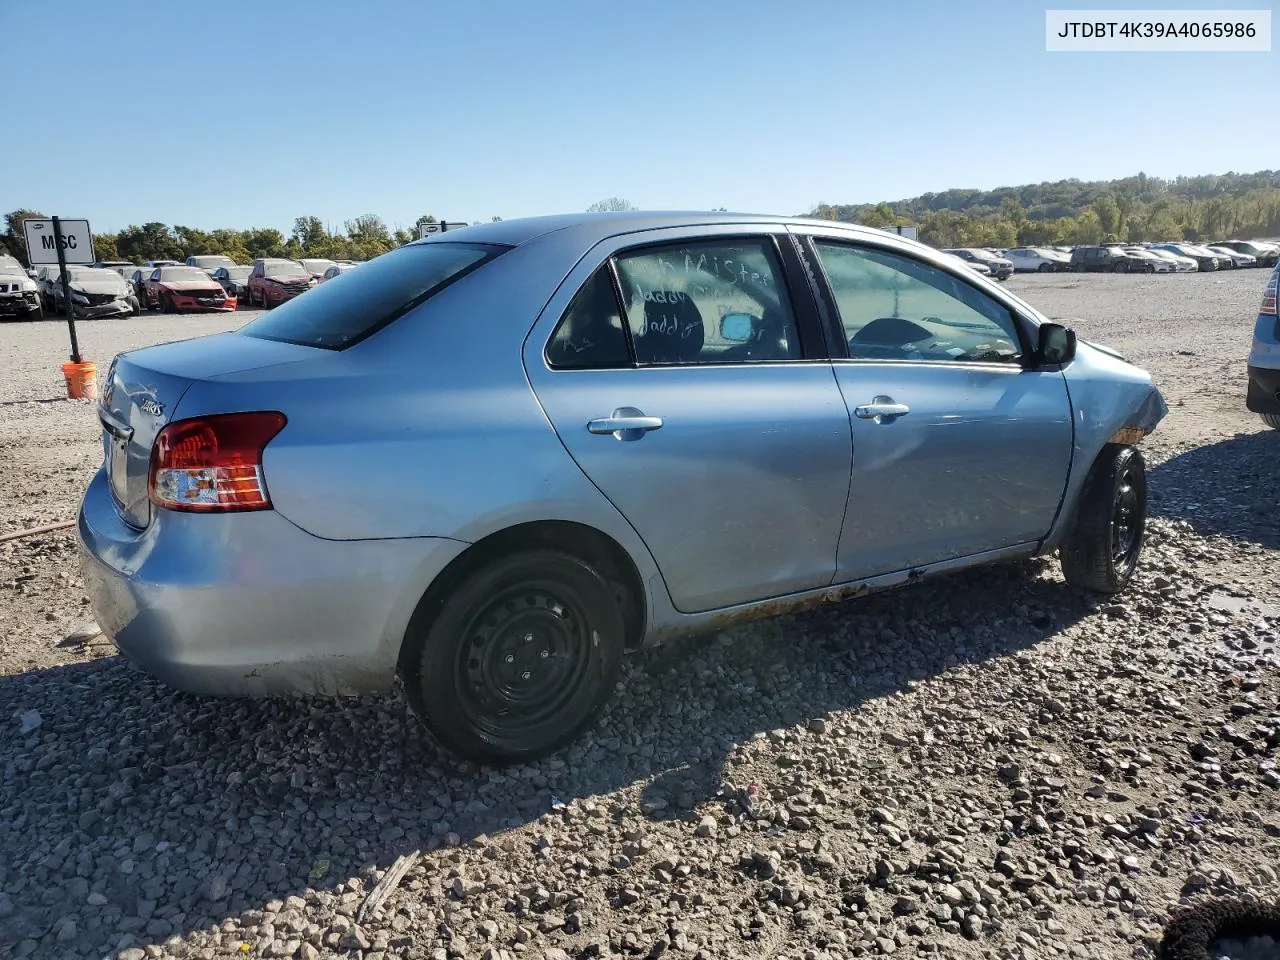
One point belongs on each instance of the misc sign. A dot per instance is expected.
(42, 245)
(428, 229)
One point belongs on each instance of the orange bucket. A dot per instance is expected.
(82, 380)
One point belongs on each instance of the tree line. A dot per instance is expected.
(1139, 208)
(363, 238)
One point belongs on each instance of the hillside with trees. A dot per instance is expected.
(1138, 208)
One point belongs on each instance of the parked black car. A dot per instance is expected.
(1105, 259)
(234, 280)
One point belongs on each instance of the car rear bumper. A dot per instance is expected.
(247, 604)
(1264, 390)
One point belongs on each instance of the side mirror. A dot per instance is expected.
(1057, 344)
(737, 327)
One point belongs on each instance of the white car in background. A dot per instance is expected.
(976, 266)
(339, 267)
(1235, 256)
(1180, 263)
(1036, 259)
(1153, 263)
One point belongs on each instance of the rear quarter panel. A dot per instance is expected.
(429, 428)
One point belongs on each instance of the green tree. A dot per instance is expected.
(1088, 228)
(194, 242)
(610, 205)
(14, 237)
(1108, 213)
(263, 242)
(104, 246)
(151, 241)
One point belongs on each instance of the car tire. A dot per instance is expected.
(135, 307)
(1045, 268)
(1077, 268)
(1120, 266)
(1151, 268)
(1100, 553)
(513, 661)
(166, 304)
(1272, 420)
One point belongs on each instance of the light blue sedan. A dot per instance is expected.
(494, 460)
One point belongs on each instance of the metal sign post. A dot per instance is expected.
(66, 291)
(59, 241)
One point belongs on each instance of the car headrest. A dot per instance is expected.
(891, 331)
(673, 330)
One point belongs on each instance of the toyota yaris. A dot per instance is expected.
(495, 460)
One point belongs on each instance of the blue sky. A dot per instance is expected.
(248, 114)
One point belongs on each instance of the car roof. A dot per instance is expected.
(591, 228)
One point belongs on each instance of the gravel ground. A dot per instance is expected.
(993, 765)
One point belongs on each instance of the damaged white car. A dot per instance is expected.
(96, 293)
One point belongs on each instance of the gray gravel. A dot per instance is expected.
(992, 765)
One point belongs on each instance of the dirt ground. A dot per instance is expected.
(989, 765)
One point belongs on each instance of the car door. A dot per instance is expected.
(961, 446)
(688, 381)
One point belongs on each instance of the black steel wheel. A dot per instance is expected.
(1101, 551)
(517, 659)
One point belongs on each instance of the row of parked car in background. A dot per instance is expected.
(217, 283)
(1168, 257)
(203, 283)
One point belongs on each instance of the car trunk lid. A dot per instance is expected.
(143, 389)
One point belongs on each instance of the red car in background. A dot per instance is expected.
(273, 280)
(175, 289)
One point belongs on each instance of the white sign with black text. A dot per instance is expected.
(77, 241)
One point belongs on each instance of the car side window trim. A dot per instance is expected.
(807, 245)
(804, 309)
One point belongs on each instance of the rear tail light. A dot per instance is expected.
(1269, 295)
(213, 464)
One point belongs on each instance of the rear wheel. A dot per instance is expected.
(1272, 420)
(1121, 266)
(1101, 551)
(517, 659)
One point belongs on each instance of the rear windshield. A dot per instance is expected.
(337, 315)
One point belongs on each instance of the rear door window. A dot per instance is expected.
(335, 316)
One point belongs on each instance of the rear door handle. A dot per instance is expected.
(626, 423)
(881, 409)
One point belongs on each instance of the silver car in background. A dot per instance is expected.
(494, 464)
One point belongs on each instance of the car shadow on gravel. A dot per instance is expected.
(1227, 489)
(142, 813)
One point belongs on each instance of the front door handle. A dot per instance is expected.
(626, 423)
(881, 409)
